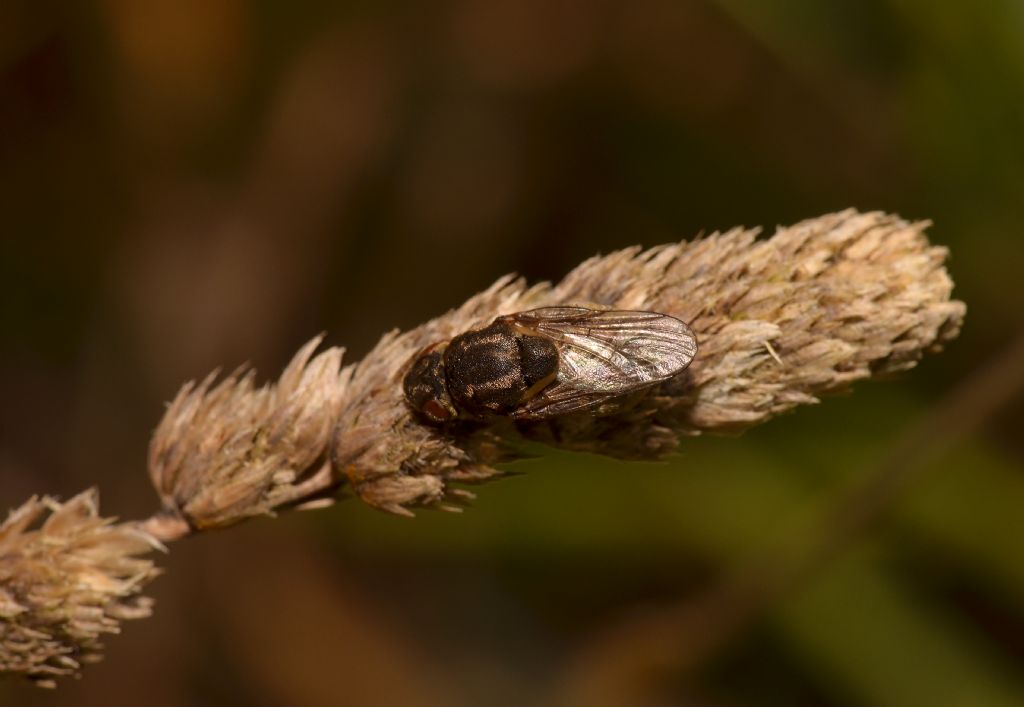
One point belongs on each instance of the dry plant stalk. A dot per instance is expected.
(67, 576)
(780, 321)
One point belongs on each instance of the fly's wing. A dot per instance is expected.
(604, 354)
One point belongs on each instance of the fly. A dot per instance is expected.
(545, 362)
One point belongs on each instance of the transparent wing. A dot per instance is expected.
(604, 354)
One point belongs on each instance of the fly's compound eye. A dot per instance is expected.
(426, 389)
(436, 411)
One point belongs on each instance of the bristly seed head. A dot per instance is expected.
(226, 452)
(67, 576)
(780, 321)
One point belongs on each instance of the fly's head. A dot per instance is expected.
(426, 387)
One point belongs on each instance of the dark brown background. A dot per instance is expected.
(186, 184)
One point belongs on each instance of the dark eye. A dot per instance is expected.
(436, 411)
(425, 387)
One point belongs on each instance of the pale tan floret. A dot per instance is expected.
(67, 576)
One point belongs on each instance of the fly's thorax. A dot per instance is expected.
(484, 370)
(425, 386)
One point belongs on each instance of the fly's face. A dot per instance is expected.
(546, 362)
(425, 387)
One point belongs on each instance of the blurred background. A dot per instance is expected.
(187, 184)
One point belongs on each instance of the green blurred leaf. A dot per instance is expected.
(883, 646)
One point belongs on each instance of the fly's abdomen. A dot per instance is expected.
(538, 359)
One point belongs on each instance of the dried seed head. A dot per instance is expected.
(780, 321)
(65, 579)
(225, 452)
